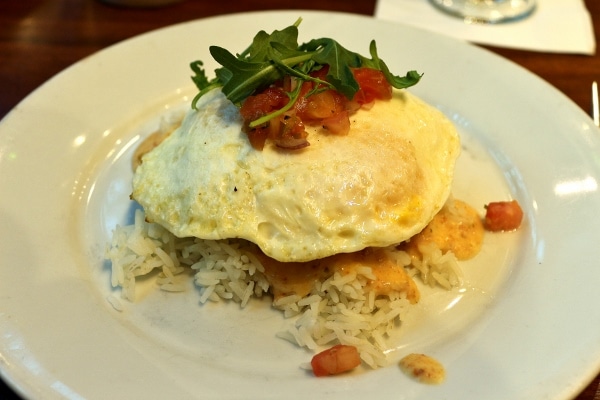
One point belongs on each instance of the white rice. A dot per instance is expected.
(337, 310)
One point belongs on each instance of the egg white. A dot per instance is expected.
(379, 185)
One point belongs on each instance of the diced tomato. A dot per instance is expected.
(287, 131)
(339, 123)
(503, 216)
(258, 137)
(373, 85)
(257, 106)
(269, 100)
(322, 105)
(302, 102)
(338, 359)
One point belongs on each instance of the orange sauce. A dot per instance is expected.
(299, 277)
(457, 228)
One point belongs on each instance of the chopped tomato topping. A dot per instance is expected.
(261, 104)
(373, 85)
(258, 137)
(322, 105)
(503, 216)
(257, 106)
(338, 123)
(338, 359)
(286, 131)
(325, 107)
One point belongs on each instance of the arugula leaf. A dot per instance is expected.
(201, 81)
(399, 82)
(259, 49)
(241, 78)
(270, 57)
(329, 52)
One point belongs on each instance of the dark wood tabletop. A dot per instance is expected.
(39, 38)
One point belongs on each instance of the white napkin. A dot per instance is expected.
(559, 26)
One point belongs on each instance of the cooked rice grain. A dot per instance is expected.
(337, 310)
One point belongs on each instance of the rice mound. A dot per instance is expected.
(337, 310)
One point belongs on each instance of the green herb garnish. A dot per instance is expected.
(270, 57)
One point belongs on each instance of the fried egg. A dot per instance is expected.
(377, 186)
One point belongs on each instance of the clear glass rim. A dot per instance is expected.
(487, 11)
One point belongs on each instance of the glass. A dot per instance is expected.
(489, 11)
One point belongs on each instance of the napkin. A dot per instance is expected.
(558, 26)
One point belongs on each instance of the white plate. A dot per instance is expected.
(527, 327)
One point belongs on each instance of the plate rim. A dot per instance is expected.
(15, 113)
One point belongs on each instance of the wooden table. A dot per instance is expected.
(40, 38)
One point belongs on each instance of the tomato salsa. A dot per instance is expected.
(317, 105)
